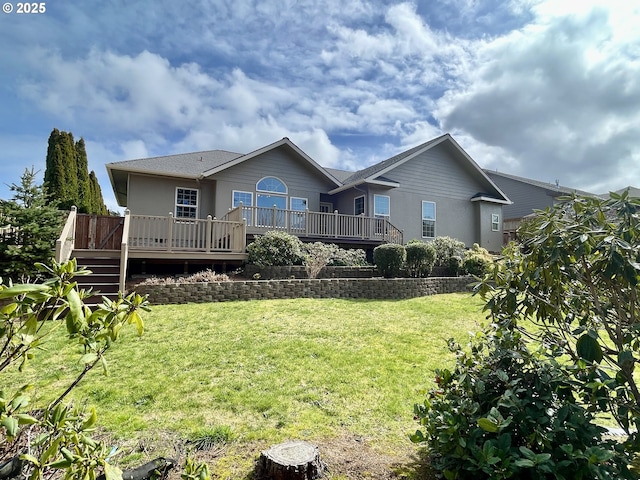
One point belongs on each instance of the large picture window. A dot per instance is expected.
(381, 206)
(186, 203)
(428, 219)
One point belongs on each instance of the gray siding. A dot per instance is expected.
(302, 179)
(152, 195)
(525, 197)
(436, 176)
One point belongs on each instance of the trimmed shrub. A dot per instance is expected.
(447, 247)
(508, 412)
(477, 261)
(456, 265)
(420, 258)
(275, 248)
(389, 259)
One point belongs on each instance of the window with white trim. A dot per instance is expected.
(326, 207)
(428, 219)
(298, 204)
(495, 222)
(381, 205)
(186, 203)
(271, 184)
(246, 198)
(358, 205)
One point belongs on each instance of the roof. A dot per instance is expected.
(552, 188)
(633, 192)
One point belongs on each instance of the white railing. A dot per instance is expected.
(317, 224)
(67, 239)
(124, 249)
(186, 234)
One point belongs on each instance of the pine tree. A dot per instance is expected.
(35, 223)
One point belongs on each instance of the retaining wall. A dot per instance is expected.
(369, 288)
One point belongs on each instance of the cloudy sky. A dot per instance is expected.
(547, 89)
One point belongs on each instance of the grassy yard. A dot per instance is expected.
(245, 375)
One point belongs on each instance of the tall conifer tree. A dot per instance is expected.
(67, 175)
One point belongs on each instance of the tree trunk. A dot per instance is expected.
(293, 460)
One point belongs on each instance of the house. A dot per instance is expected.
(205, 206)
(526, 196)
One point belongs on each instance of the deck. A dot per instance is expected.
(211, 239)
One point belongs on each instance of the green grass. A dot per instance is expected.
(266, 371)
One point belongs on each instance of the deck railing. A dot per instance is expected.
(186, 234)
(66, 241)
(124, 249)
(317, 224)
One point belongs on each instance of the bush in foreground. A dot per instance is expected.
(420, 258)
(507, 412)
(275, 248)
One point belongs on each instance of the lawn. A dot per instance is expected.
(241, 376)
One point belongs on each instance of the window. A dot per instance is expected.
(186, 203)
(495, 222)
(271, 184)
(358, 205)
(381, 206)
(428, 219)
(246, 198)
(298, 204)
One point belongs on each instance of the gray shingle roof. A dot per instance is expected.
(183, 164)
(552, 187)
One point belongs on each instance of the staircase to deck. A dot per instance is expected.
(105, 276)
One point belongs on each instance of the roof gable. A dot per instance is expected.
(284, 143)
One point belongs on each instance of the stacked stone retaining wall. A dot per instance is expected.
(368, 288)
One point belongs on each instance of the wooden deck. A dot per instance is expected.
(211, 239)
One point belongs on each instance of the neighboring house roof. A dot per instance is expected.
(633, 192)
(552, 189)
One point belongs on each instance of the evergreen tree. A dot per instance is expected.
(97, 202)
(67, 175)
(84, 185)
(35, 223)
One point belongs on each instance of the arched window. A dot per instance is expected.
(271, 184)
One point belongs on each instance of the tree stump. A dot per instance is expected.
(293, 460)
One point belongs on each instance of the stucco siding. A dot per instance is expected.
(302, 179)
(488, 238)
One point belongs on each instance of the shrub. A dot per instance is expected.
(275, 248)
(455, 266)
(204, 276)
(447, 247)
(317, 256)
(477, 261)
(506, 412)
(339, 257)
(389, 259)
(420, 258)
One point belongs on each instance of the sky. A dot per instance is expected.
(545, 89)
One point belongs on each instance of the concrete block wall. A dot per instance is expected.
(369, 288)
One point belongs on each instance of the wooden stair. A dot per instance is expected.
(105, 276)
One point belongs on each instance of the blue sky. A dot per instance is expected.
(544, 89)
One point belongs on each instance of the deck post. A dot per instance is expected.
(170, 231)
(306, 222)
(208, 237)
(335, 223)
(362, 226)
(273, 216)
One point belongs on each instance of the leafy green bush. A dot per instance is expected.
(420, 258)
(456, 265)
(389, 259)
(477, 261)
(447, 247)
(506, 412)
(275, 248)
